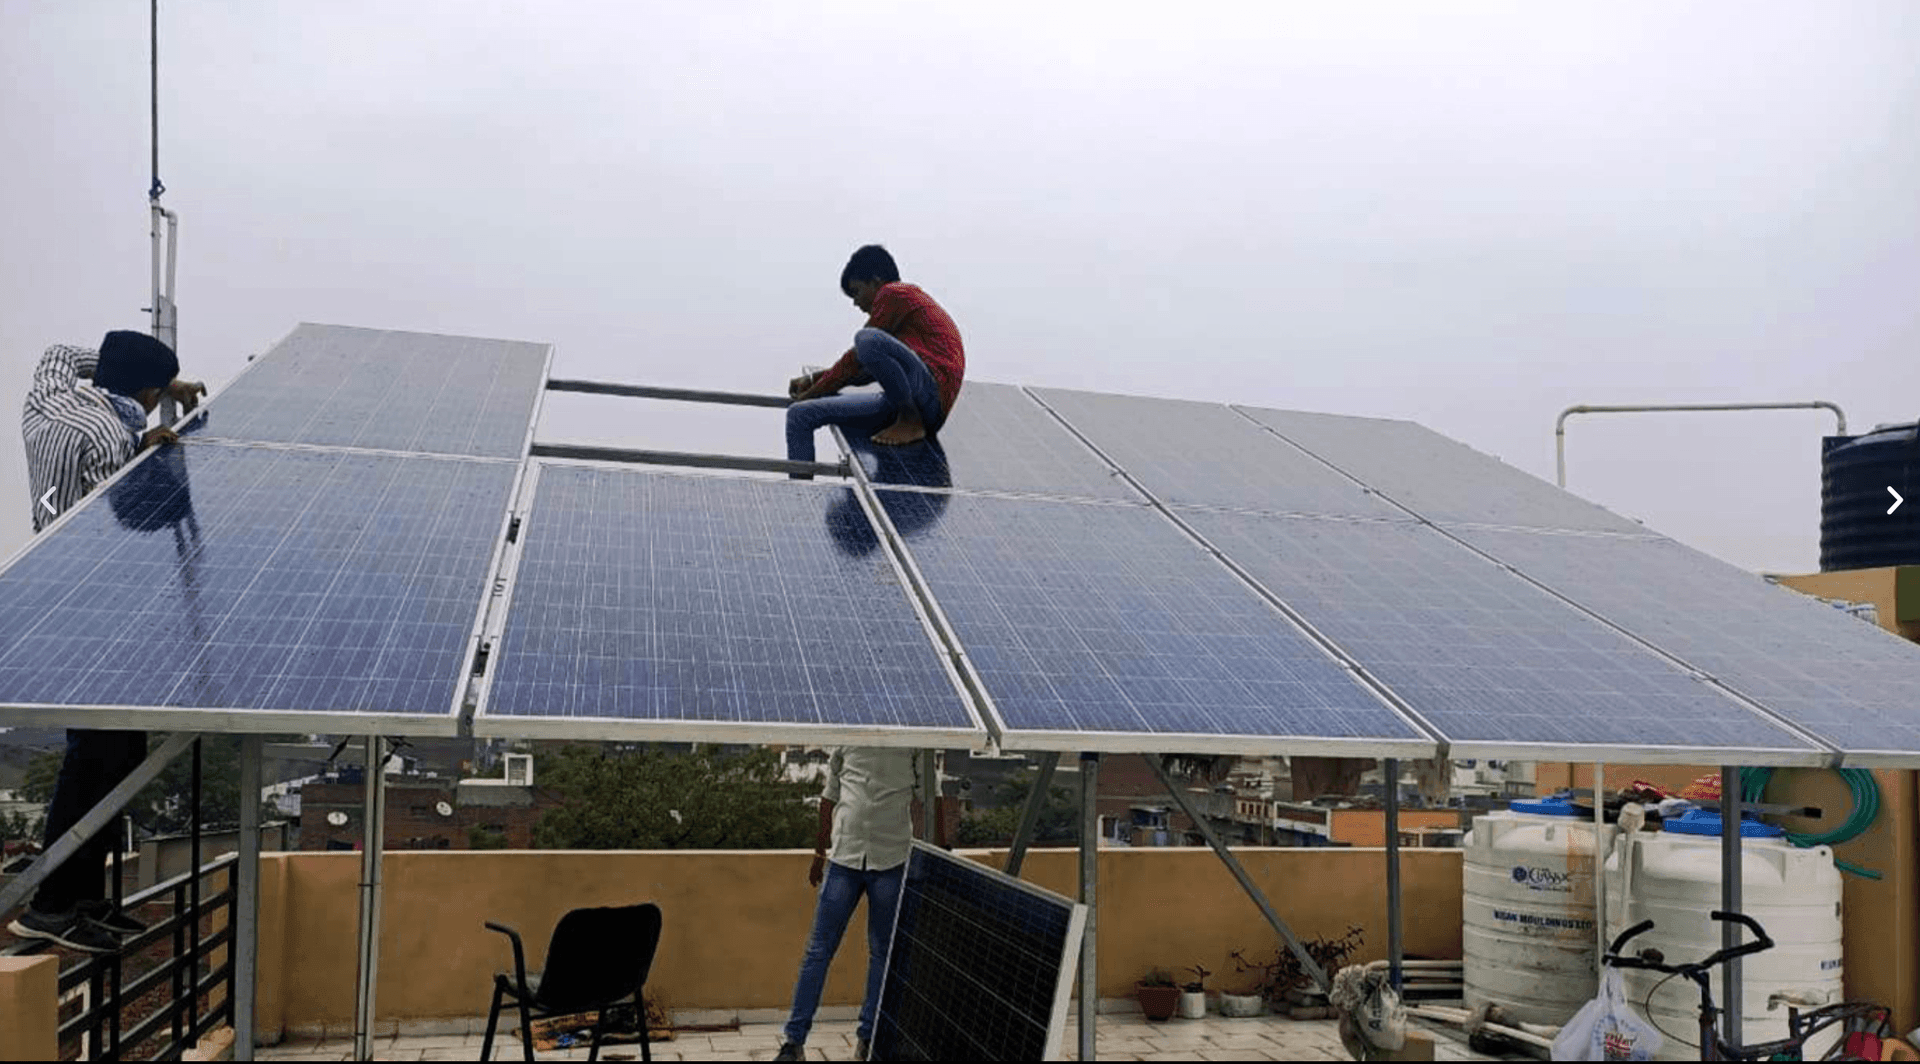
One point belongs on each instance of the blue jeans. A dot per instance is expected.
(838, 895)
(904, 381)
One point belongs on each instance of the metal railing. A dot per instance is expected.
(199, 995)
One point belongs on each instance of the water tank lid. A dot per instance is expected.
(1548, 807)
(1703, 822)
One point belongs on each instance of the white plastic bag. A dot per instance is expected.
(1383, 1017)
(1607, 1028)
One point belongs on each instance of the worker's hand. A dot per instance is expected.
(160, 435)
(819, 870)
(186, 393)
(799, 387)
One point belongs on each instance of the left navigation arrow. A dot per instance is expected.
(47, 501)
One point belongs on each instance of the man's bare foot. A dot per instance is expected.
(903, 431)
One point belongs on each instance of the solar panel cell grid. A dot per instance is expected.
(240, 578)
(1094, 618)
(337, 386)
(1484, 656)
(645, 597)
(1438, 478)
(1849, 682)
(1205, 454)
(978, 966)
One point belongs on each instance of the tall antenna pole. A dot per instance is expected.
(153, 37)
(166, 319)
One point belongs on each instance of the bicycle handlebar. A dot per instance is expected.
(1652, 959)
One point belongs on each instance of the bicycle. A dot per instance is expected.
(1861, 1017)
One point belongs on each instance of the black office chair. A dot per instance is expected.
(596, 959)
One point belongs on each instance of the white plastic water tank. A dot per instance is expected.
(1529, 934)
(1672, 877)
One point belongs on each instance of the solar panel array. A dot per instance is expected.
(1314, 584)
(981, 966)
(648, 598)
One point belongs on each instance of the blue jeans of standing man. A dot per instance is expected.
(839, 893)
(95, 764)
(904, 381)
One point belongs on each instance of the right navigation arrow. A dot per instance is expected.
(1897, 500)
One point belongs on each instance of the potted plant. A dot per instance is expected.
(1159, 995)
(1282, 979)
(1193, 994)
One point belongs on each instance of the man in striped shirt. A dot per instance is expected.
(910, 347)
(85, 417)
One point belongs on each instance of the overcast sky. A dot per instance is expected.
(1469, 215)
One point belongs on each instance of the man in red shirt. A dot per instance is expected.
(909, 346)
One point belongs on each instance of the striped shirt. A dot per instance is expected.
(77, 435)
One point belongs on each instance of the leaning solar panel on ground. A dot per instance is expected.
(981, 966)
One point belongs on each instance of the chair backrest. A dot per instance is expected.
(599, 956)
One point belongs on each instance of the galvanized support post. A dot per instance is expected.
(1732, 879)
(1030, 818)
(1395, 937)
(1089, 873)
(246, 899)
(1600, 865)
(930, 798)
(373, 824)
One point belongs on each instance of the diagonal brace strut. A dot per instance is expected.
(1307, 963)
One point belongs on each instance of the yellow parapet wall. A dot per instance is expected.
(736, 922)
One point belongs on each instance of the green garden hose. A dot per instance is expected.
(1866, 809)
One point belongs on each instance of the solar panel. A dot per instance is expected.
(385, 390)
(981, 966)
(324, 590)
(997, 439)
(1103, 627)
(715, 608)
(1441, 479)
(1499, 666)
(1852, 684)
(1205, 454)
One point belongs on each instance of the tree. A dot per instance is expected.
(651, 799)
(1059, 822)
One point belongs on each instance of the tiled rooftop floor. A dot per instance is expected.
(1121, 1036)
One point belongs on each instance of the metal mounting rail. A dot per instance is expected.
(746, 463)
(689, 395)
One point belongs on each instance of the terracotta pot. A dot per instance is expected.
(1158, 1002)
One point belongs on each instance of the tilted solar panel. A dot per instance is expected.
(398, 391)
(1102, 626)
(1437, 477)
(981, 966)
(1208, 455)
(763, 611)
(1850, 683)
(997, 439)
(273, 589)
(1498, 666)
